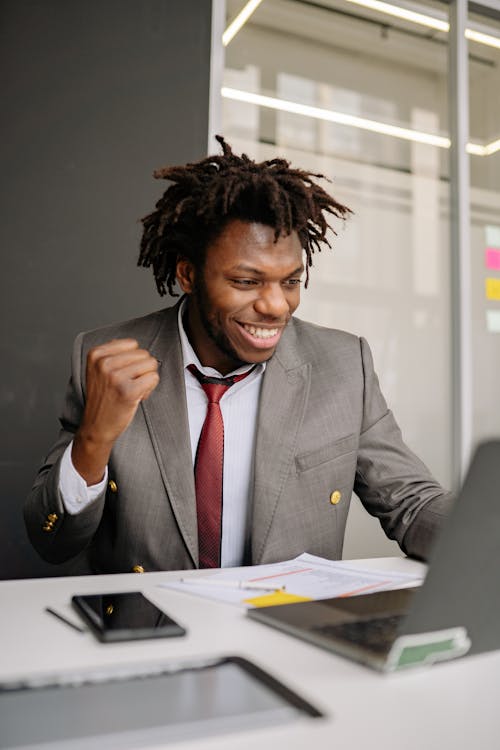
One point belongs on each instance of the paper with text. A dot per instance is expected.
(307, 577)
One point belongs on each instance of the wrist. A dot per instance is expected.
(90, 456)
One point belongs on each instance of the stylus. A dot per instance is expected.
(251, 585)
(63, 619)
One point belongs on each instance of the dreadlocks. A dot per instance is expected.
(206, 195)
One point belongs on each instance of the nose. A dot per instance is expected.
(272, 301)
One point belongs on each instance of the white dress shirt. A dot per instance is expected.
(239, 406)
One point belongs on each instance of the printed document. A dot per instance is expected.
(304, 578)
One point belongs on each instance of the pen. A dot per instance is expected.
(63, 619)
(251, 585)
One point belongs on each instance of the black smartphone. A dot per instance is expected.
(124, 617)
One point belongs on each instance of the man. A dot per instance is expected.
(159, 466)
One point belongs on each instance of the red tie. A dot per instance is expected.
(209, 467)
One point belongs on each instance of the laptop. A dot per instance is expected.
(455, 612)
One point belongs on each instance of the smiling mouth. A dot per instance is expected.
(259, 337)
(260, 333)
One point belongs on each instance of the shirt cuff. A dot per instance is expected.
(75, 493)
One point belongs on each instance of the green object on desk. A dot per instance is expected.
(427, 648)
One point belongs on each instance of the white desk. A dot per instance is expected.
(453, 706)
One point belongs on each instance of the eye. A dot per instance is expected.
(293, 282)
(244, 282)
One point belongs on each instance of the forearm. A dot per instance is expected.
(75, 492)
(426, 526)
(392, 482)
(90, 457)
(56, 534)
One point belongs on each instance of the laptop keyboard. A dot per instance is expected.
(377, 634)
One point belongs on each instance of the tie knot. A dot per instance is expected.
(215, 388)
(215, 391)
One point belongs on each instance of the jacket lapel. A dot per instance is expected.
(167, 420)
(285, 389)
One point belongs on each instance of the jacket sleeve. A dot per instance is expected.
(55, 534)
(391, 481)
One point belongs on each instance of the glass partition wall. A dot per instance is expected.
(361, 96)
(484, 114)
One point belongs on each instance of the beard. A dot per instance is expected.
(214, 332)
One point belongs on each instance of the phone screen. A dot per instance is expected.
(125, 616)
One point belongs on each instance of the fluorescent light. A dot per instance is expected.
(338, 117)
(390, 10)
(478, 36)
(239, 21)
(492, 148)
(424, 20)
(341, 118)
(486, 150)
(407, 15)
(476, 149)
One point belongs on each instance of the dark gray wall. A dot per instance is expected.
(94, 96)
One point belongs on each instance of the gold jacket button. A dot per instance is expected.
(137, 569)
(47, 527)
(52, 517)
(112, 485)
(335, 497)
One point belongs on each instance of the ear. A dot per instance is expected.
(185, 273)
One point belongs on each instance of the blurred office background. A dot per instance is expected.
(361, 93)
(101, 94)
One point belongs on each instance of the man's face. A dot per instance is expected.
(246, 292)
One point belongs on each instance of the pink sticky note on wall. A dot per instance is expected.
(492, 258)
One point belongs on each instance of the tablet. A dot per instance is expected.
(133, 707)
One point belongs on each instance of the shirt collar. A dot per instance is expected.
(189, 356)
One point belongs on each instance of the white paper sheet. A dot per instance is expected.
(305, 576)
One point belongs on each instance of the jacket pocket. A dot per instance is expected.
(330, 452)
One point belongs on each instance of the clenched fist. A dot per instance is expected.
(119, 377)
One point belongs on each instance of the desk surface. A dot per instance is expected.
(454, 705)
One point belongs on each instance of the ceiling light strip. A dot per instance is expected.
(492, 148)
(341, 118)
(478, 36)
(404, 13)
(396, 11)
(338, 117)
(424, 20)
(476, 149)
(239, 21)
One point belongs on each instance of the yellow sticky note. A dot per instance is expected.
(492, 288)
(276, 597)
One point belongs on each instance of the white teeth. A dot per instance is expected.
(261, 333)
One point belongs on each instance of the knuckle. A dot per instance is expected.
(151, 381)
(152, 365)
(93, 355)
(115, 379)
(104, 364)
(123, 388)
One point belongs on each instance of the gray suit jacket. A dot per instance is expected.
(323, 430)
